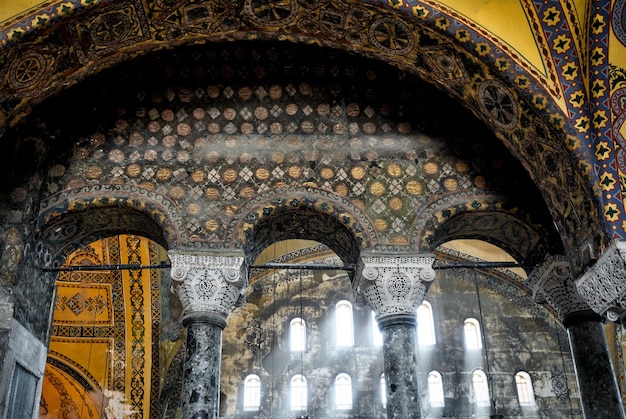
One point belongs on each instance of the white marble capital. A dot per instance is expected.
(393, 284)
(208, 282)
(603, 285)
(551, 282)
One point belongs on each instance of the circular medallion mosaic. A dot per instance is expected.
(498, 104)
(27, 70)
(273, 13)
(109, 29)
(392, 36)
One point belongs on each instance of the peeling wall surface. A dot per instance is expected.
(520, 336)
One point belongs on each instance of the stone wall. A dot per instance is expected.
(520, 336)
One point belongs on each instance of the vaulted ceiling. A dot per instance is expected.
(560, 63)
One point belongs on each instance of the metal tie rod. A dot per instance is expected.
(314, 267)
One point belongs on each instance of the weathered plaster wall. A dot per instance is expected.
(519, 336)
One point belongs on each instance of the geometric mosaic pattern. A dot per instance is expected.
(487, 75)
(100, 339)
(232, 131)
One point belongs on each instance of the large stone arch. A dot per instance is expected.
(76, 217)
(496, 220)
(422, 45)
(302, 213)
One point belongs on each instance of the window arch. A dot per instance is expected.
(473, 337)
(297, 335)
(481, 388)
(435, 389)
(252, 393)
(425, 325)
(383, 390)
(343, 323)
(343, 392)
(377, 336)
(298, 391)
(524, 385)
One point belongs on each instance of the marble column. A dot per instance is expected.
(394, 286)
(599, 392)
(209, 286)
(551, 282)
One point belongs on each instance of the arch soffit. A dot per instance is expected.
(422, 43)
(487, 218)
(264, 220)
(74, 217)
(74, 370)
(480, 89)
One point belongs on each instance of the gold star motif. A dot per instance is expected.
(582, 124)
(551, 16)
(420, 11)
(611, 212)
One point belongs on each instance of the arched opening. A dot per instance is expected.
(251, 393)
(436, 395)
(344, 326)
(525, 391)
(480, 388)
(343, 392)
(352, 155)
(287, 293)
(107, 328)
(425, 325)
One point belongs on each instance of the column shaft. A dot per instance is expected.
(201, 374)
(208, 286)
(401, 366)
(599, 394)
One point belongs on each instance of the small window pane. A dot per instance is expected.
(383, 391)
(343, 392)
(481, 388)
(524, 385)
(471, 330)
(298, 393)
(344, 326)
(377, 336)
(252, 393)
(435, 389)
(425, 325)
(297, 335)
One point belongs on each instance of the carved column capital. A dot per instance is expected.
(393, 284)
(551, 282)
(208, 283)
(603, 285)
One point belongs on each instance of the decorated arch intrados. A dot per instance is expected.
(421, 47)
(501, 221)
(301, 213)
(79, 217)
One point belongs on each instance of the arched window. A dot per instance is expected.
(471, 329)
(425, 325)
(383, 390)
(435, 389)
(343, 392)
(481, 388)
(524, 386)
(297, 335)
(298, 393)
(252, 393)
(343, 322)
(377, 336)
